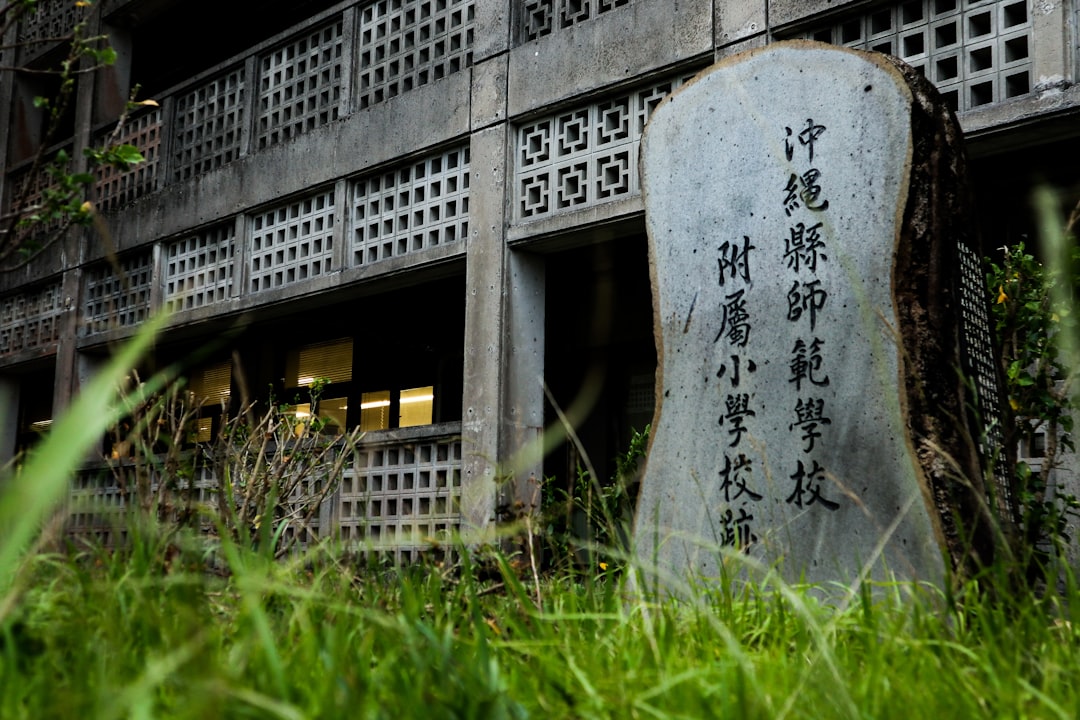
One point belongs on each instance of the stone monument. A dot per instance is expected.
(825, 378)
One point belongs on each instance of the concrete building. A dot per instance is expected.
(435, 204)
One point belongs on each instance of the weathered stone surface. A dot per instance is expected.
(806, 225)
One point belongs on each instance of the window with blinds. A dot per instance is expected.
(212, 384)
(331, 361)
(209, 389)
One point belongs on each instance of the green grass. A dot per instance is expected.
(158, 630)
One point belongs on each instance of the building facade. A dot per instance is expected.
(434, 204)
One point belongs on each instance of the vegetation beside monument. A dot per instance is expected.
(1034, 308)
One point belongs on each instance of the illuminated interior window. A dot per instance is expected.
(375, 410)
(204, 432)
(211, 385)
(331, 361)
(330, 410)
(333, 411)
(417, 405)
(40, 426)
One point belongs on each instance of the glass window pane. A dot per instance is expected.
(417, 405)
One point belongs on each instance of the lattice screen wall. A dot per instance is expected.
(208, 125)
(300, 85)
(119, 187)
(30, 319)
(198, 269)
(585, 155)
(99, 499)
(50, 19)
(403, 496)
(975, 51)
(96, 502)
(978, 352)
(408, 43)
(292, 242)
(411, 208)
(541, 17)
(118, 295)
(29, 194)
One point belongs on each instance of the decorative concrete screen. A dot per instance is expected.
(300, 85)
(29, 194)
(408, 43)
(816, 315)
(541, 17)
(30, 319)
(583, 156)
(118, 187)
(975, 51)
(100, 498)
(118, 294)
(403, 496)
(411, 207)
(293, 242)
(50, 20)
(199, 269)
(96, 503)
(209, 123)
(978, 352)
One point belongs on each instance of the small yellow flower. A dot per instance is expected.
(1002, 297)
(603, 566)
(87, 207)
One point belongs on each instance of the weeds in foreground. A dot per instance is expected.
(147, 631)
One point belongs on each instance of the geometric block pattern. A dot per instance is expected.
(979, 364)
(408, 43)
(30, 319)
(97, 504)
(541, 17)
(29, 193)
(199, 269)
(401, 497)
(208, 125)
(299, 85)
(585, 155)
(118, 293)
(47, 20)
(975, 51)
(118, 187)
(303, 502)
(411, 207)
(293, 242)
(100, 498)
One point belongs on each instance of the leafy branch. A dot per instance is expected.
(39, 218)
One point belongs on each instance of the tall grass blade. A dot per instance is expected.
(32, 493)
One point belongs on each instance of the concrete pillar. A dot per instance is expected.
(69, 376)
(113, 83)
(9, 417)
(522, 455)
(503, 396)
(484, 333)
(735, 21)
(1051, 66)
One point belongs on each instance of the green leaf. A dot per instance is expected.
(126, 154)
